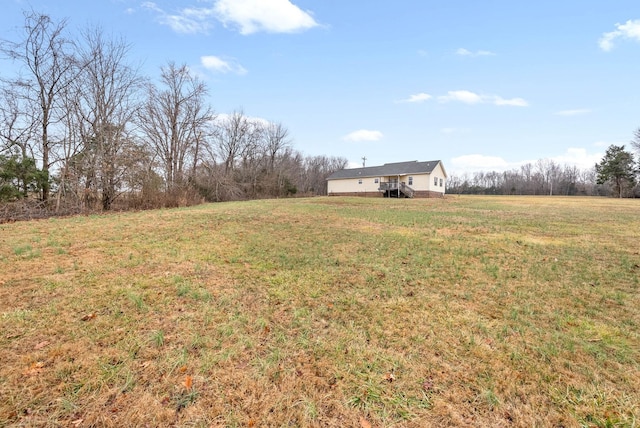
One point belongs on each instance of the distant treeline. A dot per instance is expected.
(545, 177)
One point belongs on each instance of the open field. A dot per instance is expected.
(327, 312)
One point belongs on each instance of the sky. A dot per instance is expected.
(478, 84)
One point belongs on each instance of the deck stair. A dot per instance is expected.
(395, 189)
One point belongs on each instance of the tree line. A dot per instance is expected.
(615, 175)
(82, 129)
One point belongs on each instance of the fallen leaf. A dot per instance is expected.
(389, 377)
(251, 423)
(34, 369)
(88, 317)
(364, 423)
(183, 369)
(188, 382)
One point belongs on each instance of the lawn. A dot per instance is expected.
(326, 312)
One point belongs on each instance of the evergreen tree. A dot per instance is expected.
(617, 167)
(18, 177)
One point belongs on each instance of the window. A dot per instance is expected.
(360, 181)
(410, 181)
(441, 182)
(375, 180)
(435, 181)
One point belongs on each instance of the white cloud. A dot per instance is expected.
(417, 98)
(466, 52)
(578, 157)
(273, 16)
(628, 30)
(188, 21)
(575, 112)
(514, 102)
(448, 131)
(251, 16)
(469, 97)
(466, 97)
(219, 65)
(150, 5)
(223, 117)
(363, 135)
(606, 41)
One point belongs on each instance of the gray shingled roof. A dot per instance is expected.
(398, 168)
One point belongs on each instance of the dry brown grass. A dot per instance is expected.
(328, 312)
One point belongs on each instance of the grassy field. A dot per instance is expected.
(327, 312)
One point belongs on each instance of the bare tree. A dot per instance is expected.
(174, 119)
(277, 177)
(241, 145)
(106, 102)
(44, 52)
(277, 140)
(317, 169)
(72, 161)
(234, 134)
(16, 126)
(549, 171)
(568, 179)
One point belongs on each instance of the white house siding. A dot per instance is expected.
(351, 186)
(420, 182)
(423, 182)
(437, 172)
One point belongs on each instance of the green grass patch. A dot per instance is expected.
(463, 311)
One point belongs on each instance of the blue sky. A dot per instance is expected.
(481, 85)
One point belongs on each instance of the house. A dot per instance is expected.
(396, 180)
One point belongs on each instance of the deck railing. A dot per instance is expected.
(388, 185)
(394, 185)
